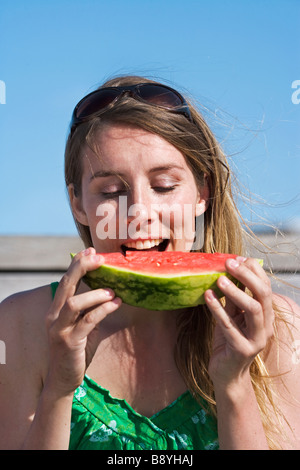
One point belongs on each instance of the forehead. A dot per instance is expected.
(122, 145)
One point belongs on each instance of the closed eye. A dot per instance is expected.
(164, 189)
(120, 192)
(112, 194)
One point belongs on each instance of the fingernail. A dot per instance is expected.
(108, 292)
(210, 296)
(224, 281)
(241, 259)
(86, 252)
(233, 263)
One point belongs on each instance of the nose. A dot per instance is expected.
(137, 215)
(140, 206)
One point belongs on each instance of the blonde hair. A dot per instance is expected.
(223, 231)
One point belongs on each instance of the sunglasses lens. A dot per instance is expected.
(159, 96)
(95, 102)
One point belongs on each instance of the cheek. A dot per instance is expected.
(180, 217)
(184, 223)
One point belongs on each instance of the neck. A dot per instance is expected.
(140, 325)
(143, 323)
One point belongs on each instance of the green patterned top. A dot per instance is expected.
(101, 422)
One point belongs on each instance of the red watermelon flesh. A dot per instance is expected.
(168, 262)
(160, 280)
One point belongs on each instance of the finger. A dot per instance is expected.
(255, 266)
(257, 269)
(251, 274)
(75, 306)
(238, 338)
(258, 284)
(266, 289)
(91, 318)
(241, 301)
(230, 330)
(83, 262)
(234, 295)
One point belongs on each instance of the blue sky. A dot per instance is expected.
(237, 58)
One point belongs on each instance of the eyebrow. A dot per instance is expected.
(166, 168)
(104, 174)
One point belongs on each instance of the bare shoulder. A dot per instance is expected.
(25, 310)
(287, 322)
(22, 323)
(287, 306)
(28, 298)
(287, 336)
(283, 363)
(23, 333)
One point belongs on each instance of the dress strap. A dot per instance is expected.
(54, 286)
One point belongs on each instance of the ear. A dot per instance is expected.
(203, 198)
(76, 206)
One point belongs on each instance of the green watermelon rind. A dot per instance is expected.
(155, 292)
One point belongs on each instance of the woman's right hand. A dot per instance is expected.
(71, 321)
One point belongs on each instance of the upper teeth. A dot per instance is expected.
(143, 244)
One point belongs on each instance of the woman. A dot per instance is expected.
(98, 374)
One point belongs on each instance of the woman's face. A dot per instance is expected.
(138, 193)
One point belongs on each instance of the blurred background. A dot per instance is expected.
(238, 60)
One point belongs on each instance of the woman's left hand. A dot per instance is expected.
(244, 325)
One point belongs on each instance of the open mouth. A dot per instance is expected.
(145, 245)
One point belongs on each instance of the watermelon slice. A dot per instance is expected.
(160, 280)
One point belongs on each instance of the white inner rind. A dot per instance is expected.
(167, 275)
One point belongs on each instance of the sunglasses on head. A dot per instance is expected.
(149, 93)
